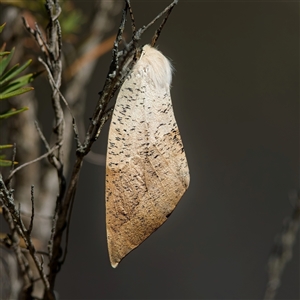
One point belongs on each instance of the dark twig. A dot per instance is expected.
(133, 28)
(168, 9)
(32, 210)
(38, 37)
(158, 31)
(47, 146)
(68, 231)
(115, 51)
(104, 119)
(282, 251)
(50, 242)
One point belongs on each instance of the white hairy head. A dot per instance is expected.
(155, 66)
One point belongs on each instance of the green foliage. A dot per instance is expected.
(12, 112)
(12, 84)
(2, 27)
(4, 162)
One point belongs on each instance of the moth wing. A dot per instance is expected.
(146, 169)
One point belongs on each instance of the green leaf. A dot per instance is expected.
(2, 27)
(5, 61)
(13, 112)
(4, 53)
(13, 72)
(5, 146)
(19, 82)
(15, 93)
(6, 163)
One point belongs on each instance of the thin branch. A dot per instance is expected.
(32, 210)
(133, 27)
(38, 32)
(32, 161)
(67, 231)
(64, 100)
(50, 242)
(118, 39)
(160, 28)
(168, 9)
(104, 119)
(38, 37)
(47, 146)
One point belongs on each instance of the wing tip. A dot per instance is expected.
(114, 264)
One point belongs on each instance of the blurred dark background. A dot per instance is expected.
(236, 99)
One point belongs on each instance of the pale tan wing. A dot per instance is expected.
(146, 169)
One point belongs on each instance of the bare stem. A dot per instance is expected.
(32, 210)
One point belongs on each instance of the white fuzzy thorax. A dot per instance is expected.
(155, 66)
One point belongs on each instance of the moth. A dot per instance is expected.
(146, 168)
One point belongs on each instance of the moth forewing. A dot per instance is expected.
(146, 167)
